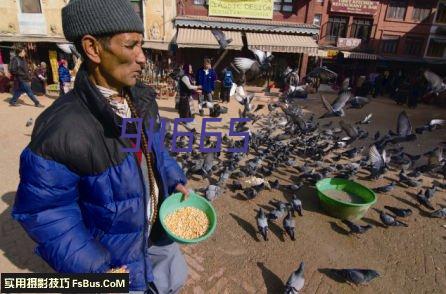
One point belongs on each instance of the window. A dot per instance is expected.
(441, 12)
(420, 13)
(137, 6)
(396, 9)
(317, 19)
(413, 46)
(30, 6)
(361, 28)
(389, 44)
(283, 5)
(437, 48)
(336, 27)
(199, 2)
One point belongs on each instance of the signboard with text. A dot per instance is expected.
(368, 7)
(348, 43)
(242, 8)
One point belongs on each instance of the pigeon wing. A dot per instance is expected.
(433, 79)
(341, 101)
(260, 55)
(326, 104)
(375, 158)
(349, 129)
(243, 64)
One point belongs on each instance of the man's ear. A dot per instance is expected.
(91, 48)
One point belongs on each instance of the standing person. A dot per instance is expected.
(38, 81)
(206, 78)
(19, 69)
(226, 86)
(64, 77)
(187, 89)
(90, 204)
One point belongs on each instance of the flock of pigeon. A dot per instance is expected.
(290, 137)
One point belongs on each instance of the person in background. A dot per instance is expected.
(64, 77)
(38, 81)
(4, 80)
(187, 88)
(19, 69)
(206, 78)
(226, 86)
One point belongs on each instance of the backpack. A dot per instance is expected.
(227, 80)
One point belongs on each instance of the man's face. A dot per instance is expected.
(207, 65)
(22, 53)
(122, 60)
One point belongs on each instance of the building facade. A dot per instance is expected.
(383, 33)
(436, 44)
(282, 27)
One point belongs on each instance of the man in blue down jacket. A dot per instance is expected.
(84, 201)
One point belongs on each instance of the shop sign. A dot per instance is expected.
(242, 8)
(32, 24)
(348, 43)
(368, 7)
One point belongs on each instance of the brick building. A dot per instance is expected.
(383, 34)
(283, 27)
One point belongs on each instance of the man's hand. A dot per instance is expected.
(183, 190)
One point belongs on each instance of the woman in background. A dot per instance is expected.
(187, 89)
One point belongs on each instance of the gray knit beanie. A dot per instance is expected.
(99, 17)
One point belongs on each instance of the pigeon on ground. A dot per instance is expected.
(357, 229)
(29, 122)
(385, 189)
(424, 201)
(262, 224)
(355, 276)
(296, 280)
(365, 120)
(289, 225)
(433, 124)
(401, 212)
(276, 213)
(296, 205)
(390, 221)
(439, 213)
(213, 192)
(358, 102)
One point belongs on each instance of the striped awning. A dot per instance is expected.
(282, 43)
(198, 38)
(156, 45)
(347, 54)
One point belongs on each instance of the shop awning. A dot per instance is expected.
(31, 39)
(282, 43)
(156, 45)
(197, 38)
(347, 54)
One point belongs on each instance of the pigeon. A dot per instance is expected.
(262, 224)
(430, 126)
(435, 82)
(274, 184)
(250, 193)
(434, 157)
(213, 192)
(378, 162)
(355, 276)
(404, 129)
(358, 102)
(424, 201)
(254, 68)
(29, 122)
(289, 225)
(336, 109)
(430, 192)
(365, 120)
(221, 38)
(385, 189)
(439, 213)
(296, 280)
(296, 205)
(276, 213)
(236, 185)
(401, 212)
(376, 136)
(390, 221)
(407, 180)
(350, 130)
(356, 229)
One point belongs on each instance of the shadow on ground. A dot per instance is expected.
(272, 282)
(18, 248)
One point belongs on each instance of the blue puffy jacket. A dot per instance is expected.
(207, 82)
(82, 199)
(64, 74)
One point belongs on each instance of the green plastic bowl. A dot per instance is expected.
(344, 209)
(173, 202)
